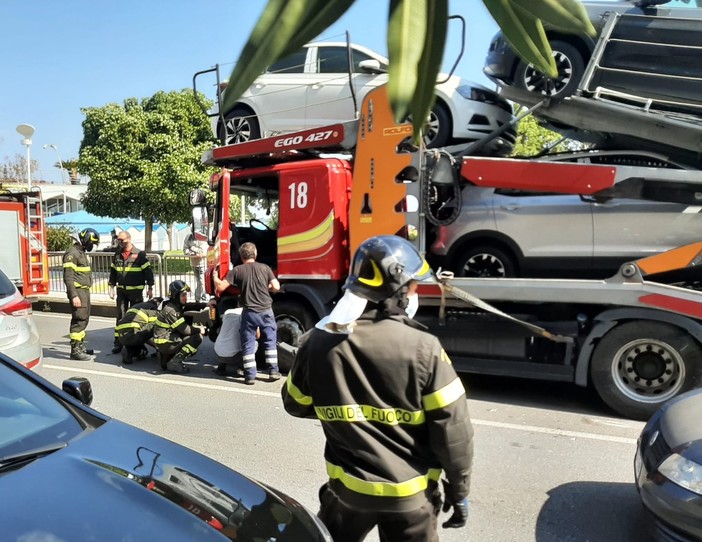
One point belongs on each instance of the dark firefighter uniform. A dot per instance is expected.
(136, 329)
(129, 275)
(384, 455)
(174, 338)
(78, 278)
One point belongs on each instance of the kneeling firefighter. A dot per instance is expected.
(175, 339)
(136, 329)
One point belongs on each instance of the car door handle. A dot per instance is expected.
(510, 207)
(259, 86)
(316, 86)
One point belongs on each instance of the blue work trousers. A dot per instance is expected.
(264, 321)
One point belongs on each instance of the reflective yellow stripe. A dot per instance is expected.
(178, 322)
(127, 326)
(189, 349)
(296, 394)
(445, 396)
(377, 279)
(368, 413)
(131, 269)
(77, 268)
(162, 324)
(162, 341)
(140, 287)
(81, 286)
(77, 336)
(140, 313)
(383, 489)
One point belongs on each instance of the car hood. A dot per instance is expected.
(120, 483)
(680, 420)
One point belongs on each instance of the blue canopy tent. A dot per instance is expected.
(104, 226)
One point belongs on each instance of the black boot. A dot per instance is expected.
(117, 348)
(127, 357)
(175, 364)
(78, 353)
(161, 360)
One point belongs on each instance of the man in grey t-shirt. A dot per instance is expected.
(256, 281)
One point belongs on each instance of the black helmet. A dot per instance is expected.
(89, 238)
(176, 288)
(382, 265)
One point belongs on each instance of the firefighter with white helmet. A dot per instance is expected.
(390, 403)
(78, 277)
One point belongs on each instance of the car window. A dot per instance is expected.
(294, 63)
(30, 417)
(6, 287)
(336, 59)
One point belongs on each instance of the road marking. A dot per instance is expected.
(159, 380)
(219, 387)
(68, 316)
(555, 432)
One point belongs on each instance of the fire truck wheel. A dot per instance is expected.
(242, 125)
(485, 261)
(639, 365)
(293, 320)
(570, 66)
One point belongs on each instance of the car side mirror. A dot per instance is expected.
(372, 66)
(79, 388)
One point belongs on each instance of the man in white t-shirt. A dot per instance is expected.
(228, 343)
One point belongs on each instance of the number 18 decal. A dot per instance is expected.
(298, 195)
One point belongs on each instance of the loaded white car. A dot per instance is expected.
(313, 87)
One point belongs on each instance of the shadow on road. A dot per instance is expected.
(561, 396)
(593, 512)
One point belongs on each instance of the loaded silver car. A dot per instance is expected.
(515, 233)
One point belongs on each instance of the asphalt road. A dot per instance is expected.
(552, 464)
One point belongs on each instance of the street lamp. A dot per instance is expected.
(51, 145)
(26, 131)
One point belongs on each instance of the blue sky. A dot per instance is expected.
(61, 55)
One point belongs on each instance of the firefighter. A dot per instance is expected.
(390, 403)
(136, 329)
(79, 278)
(129, 272)
(175, 339)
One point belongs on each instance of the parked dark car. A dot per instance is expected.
(668, 468)
(70, 473)
(572, 52)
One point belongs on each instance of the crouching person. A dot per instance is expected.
(175, 339)
(136, 329)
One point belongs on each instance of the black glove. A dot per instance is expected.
(460, 508)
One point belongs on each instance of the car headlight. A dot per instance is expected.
(683, 472)
(478, 94)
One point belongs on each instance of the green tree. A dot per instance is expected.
(416, 39)
(59, 238)
(144, 157)
(533, 138)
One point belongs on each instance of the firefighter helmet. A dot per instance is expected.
(382, 265)
(176, 288)
(89, 238)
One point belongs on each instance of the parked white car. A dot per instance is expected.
(312, 87)
(19, 336)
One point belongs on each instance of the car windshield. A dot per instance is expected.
(31, 419)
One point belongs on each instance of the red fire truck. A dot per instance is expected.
(24, 257)
(637, 341)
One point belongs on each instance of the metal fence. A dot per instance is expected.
(166, 268)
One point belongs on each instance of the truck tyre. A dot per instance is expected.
(293, 320)
(570, 66)
(640, 365)
(485, 261)
(242, 125)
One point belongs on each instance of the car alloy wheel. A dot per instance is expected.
(570, 66)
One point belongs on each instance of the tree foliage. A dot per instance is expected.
(144, 157)
(59, 238)
(416, 38)
(533, 138)
(14, 169)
